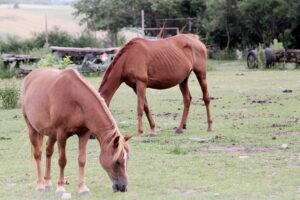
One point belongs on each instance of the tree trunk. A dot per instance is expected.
(226, 24)
(113, 38)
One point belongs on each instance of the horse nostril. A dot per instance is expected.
(123, 188)
(115, 188)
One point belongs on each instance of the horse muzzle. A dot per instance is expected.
(119, 187)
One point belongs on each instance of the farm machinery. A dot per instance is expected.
(273, 56)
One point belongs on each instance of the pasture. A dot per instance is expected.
(242, 159)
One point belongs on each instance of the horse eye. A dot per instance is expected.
(118, 162)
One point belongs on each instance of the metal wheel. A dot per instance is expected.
(252, 61)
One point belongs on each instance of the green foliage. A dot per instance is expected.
(226, 55)
(40, 52)
(276, 45)
(36, 45)
(228, 23)
(4, 72)
(66, 61)
(9, 96)
(51, 60)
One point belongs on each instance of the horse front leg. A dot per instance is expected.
(62, 161)
(83, 139)
(149, 115)
(141, 92)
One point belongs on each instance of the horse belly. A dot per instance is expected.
(168, 76)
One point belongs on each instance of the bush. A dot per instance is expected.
(51, 60)
(56, 37)
(4, 72)
(9, 96)
(227, 55)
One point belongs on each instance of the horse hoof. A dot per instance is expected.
(178, 131)
(40, 189)
(84, 193)
(152, 134)
(48, 187)
(210, 130)
(59, 191)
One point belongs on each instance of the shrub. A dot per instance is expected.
(9, 96)
(50, 60)
(56, 37)
(227, 55)
(4, 72)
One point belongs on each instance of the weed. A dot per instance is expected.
(177, 150)
(9, 96)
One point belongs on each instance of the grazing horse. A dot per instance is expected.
(59, 104)
(158, 64)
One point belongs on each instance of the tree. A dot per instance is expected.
(264, 20)
(109, 15)
(222, 23)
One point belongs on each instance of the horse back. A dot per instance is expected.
(48, 99)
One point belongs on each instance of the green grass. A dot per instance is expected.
(243, 159)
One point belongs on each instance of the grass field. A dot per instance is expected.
(242, 160)
(31, 18)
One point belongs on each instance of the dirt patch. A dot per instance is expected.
(5, 138)
(167, 115)
(286, 133)
(238, 150)
(280, 125)
(287, 91)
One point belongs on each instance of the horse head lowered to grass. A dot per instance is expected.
(158, 64)
(59, 104)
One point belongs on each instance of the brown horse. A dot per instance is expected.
(158, 64)
(59, 104)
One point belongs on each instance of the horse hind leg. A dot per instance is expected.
(141, 92)
(201, 76)
(36, 140)
(62, 161)
(187, 98)
(49, 152)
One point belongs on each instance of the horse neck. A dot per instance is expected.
(97, 117)
(111, 81)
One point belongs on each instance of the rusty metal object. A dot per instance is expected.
(287, 56)
(77, 54)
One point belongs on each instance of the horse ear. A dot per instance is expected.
(116, 141)
(128, 137)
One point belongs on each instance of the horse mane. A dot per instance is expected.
(116, 58)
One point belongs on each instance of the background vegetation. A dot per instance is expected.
(227, 23)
